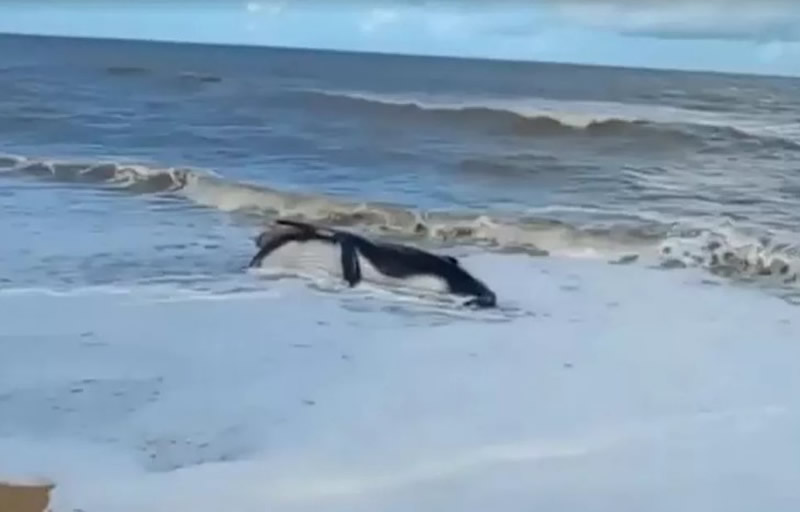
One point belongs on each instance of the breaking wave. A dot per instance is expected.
(133, 178)
(724, 250)
(543, 118)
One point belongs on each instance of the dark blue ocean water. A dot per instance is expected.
(129, 160)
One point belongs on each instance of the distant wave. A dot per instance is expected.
(186, 76)
(502, 108)
(199, 77)
(127, 70)
(131, 178)
(544, 118)
(724, 251)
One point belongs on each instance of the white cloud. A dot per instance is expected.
(276, 7)
(377, 18)
(272, 8)
(765, 20)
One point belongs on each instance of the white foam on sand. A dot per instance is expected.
(595, 387)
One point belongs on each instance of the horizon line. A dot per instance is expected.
(655, 69)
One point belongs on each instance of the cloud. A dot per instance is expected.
(377, 18)
(269, 7)
(756, 20)
(761, 21)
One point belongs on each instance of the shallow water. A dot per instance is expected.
(639, 228)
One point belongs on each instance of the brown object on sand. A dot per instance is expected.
(24, 497)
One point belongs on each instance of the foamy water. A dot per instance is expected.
(592, 399)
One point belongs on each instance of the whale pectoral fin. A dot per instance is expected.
(268, 245)
(256, 260)
(350, 267)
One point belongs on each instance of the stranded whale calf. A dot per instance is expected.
(357, 258)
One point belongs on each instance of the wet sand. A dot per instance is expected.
(24, 497)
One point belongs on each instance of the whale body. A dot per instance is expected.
(355, 258)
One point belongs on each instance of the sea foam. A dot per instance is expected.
(620, 387)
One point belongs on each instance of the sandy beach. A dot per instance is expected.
(24, 497)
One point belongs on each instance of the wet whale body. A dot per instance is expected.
(356, 258)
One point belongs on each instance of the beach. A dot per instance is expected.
(24, 498)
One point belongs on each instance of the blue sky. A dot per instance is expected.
(759, 36)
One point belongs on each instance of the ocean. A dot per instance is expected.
(638, 226)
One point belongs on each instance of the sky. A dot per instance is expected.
(757, 36)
